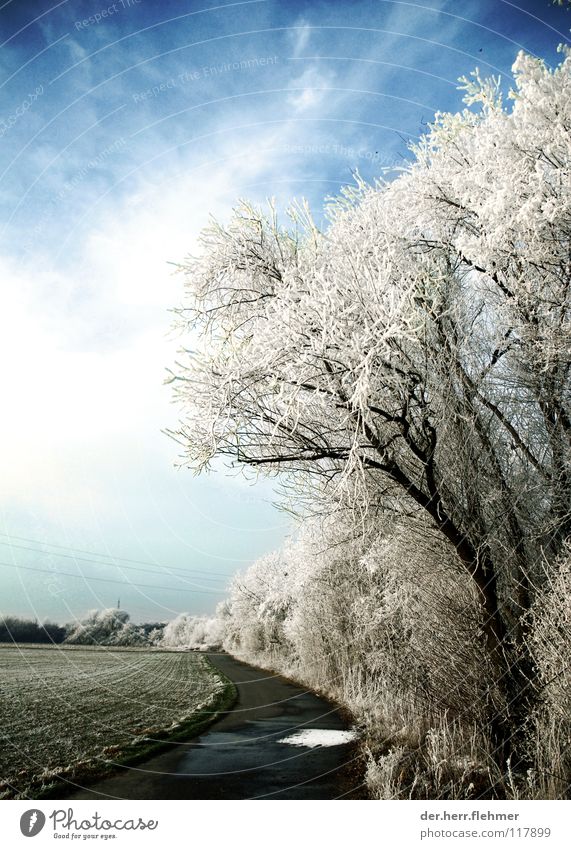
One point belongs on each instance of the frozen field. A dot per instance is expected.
(66, 712)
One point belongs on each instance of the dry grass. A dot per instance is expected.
(446, 761)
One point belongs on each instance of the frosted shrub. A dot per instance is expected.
(384, 624)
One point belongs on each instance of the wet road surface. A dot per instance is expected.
(241, 756)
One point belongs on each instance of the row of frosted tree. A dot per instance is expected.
(107, 627)
(405, 373)
(113, 627)
(388, 624)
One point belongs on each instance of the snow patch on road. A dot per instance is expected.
(319, 737)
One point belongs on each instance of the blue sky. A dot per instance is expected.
(122, 127)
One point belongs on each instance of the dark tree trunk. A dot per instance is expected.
(513, 675)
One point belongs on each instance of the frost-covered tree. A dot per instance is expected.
(259, 602)
(109, 627)
(417, 352)
(193, 632)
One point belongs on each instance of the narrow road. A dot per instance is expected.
(242, 755)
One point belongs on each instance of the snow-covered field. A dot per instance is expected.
(67, 711)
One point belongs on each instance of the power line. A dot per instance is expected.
(109, 580)
(97, 554)
(101, 563)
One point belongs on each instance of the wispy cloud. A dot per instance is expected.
(311, 89)
(300, 35)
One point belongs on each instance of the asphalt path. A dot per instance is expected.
(242, 756)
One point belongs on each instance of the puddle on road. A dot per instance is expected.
(319, 737)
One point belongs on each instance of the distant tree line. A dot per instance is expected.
(15, 630)
(100, 627)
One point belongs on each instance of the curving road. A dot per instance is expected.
(242, 755)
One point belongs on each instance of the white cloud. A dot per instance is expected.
(89, 342)
(300, 35)
(66, 411)
(311, 88)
